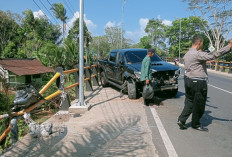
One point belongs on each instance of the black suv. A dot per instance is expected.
(123, 69)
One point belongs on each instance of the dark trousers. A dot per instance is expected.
(195, 100)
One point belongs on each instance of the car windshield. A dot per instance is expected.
(138, 56)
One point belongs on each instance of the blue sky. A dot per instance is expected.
(102, 13)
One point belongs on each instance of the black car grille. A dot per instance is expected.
(157, 64)
(164, 77)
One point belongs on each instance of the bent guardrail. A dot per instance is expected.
(91, 73)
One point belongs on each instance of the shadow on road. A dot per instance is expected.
(207, 119)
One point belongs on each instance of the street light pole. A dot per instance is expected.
(122, 22)
(81, 57)
(179, 39)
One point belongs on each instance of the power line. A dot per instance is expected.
(68, 6)
(71, 5)
(42, 11)
(70, 9)
(49, 12)
(52, 5)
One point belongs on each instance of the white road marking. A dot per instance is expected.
(217, 87)
(220, 89)
(167, 142)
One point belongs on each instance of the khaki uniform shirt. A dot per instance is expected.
(146, 71)
(195, 61)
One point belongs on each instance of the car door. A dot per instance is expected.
(118, 72)
(110, 70)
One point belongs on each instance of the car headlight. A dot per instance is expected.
(153, 70)
(138, 74)
(177, 72)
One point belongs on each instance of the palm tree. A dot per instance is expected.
(60, 13)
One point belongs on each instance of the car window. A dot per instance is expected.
(138, 56)
(113, 56)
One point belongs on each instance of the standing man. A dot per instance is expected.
(195, 81)
(146, 70)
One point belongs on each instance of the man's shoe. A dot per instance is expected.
(181, 125)
(200, 128)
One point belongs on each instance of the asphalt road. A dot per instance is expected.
(217, 118)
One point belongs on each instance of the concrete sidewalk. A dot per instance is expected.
(114, 126)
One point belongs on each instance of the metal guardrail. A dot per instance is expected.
(91, 73)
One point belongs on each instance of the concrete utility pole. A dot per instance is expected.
(179, 39)
(122, 23)
(81, 56)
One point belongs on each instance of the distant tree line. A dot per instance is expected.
(27, 36)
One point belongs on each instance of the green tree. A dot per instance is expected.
(156, 30)
(189, 27)
(218, 16)
(100, 46)
(46, 31)
(8, 29)
(74, 33)
(71, 54)
(60, 12)
(36, 33)
(29, 24)
(114, 37)
(11, 51)
(145, 42)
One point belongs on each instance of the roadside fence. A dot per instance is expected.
(222, 66)
(91, 78)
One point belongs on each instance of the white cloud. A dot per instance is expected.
(90, 25)
(38, 14)
(110, 24)
(167, 22)
(137, 34)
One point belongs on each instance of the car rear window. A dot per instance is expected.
(138, 56)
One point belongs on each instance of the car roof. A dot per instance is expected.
(128, 50)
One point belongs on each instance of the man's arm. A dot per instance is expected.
(204, 56)
(146, 71)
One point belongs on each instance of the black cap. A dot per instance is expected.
(151, 50)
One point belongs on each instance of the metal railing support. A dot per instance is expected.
(217, 66)
(230, 68)
(223, 67)
(95, 71)
(65, 102)
(76, 77)
(14, 130)
(88, 73)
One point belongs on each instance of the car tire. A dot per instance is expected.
(104, 81)
(172, 93)
(132, 92)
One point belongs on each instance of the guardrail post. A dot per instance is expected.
(95, 72)
(230, 68)
(76, 77)
(223, 67)
(14, 130)
(212, 65)
(217, 66)
(65, 102)
(88, 75)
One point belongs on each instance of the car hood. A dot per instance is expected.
(156, 65)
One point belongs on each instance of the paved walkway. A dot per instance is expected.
(114, 126)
